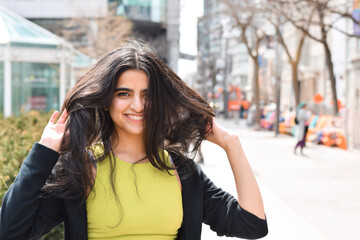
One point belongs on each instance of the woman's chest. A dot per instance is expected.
(146, 201)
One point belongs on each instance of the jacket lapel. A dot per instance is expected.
(191, 200)
(76, 218)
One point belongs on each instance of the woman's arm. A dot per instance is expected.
(249, 196)
(25, 212)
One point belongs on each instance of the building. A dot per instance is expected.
(213, 58)
(154, 21)
(223, 60)
(349, 71)
(36, 66)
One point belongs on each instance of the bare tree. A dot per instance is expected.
(246, 18)
(321, 17)
(95, 37)
(272, 12)
(293, 61)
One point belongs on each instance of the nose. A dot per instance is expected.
(137, 104)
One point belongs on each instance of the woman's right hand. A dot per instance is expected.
(54, 131)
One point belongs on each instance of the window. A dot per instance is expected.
(35, 86)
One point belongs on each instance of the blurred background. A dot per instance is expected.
(254, 61)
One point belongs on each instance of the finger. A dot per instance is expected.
(63, 117)
(53, 117)
(212, 125)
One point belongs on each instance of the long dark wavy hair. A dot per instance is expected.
(177, 119)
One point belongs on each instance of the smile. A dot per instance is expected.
(135, 117)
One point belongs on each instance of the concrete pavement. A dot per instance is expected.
(312, 197)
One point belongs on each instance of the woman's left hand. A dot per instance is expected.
(221, 136)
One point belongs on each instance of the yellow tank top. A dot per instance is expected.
(150, 202)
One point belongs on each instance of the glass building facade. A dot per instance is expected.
(35, 86)
(143, 10)
(41, 66)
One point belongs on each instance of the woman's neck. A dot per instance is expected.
(129, 149)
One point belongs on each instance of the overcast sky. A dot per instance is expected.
(190, 11)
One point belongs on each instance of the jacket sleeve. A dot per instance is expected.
(25, 213)
(225, 216)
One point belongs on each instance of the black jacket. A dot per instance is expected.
(26, 214)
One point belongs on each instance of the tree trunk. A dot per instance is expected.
(331, 76)
(329, 63)
(295, 82)
(256, 93)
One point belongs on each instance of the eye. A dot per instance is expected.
(123, 94)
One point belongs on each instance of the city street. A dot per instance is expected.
(311, 197)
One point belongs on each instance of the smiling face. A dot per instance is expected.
(127, 107)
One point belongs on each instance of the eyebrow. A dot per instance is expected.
(128, 90)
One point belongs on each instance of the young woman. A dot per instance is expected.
(115, 166)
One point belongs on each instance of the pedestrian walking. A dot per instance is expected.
(115, 166)
(244, 106)
(302, 117)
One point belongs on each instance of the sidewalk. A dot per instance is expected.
(315, 197)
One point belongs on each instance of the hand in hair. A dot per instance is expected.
(54, 131)
(220, 136)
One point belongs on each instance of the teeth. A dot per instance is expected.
(136, 117)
